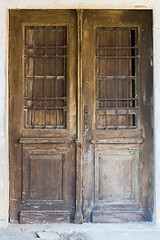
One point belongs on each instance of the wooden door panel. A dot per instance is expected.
(115, 152)
(37, 171)
(54, 163)
(117, 217)
(42, 115)
(46, 187)
(116, 174)
(49, 216)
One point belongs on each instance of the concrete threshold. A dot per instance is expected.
(87, 231)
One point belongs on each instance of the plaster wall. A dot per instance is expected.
(74, 4)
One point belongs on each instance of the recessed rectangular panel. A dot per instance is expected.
(44, 179)
(44, 217)
(116, 216)
(116, 175)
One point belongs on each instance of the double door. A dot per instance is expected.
(80, 116)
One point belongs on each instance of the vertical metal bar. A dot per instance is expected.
(79, 140)
(116, 79)
(44, 65)
(135, 81)
(128, 31)
(64, 69)
(133, 69)
(56, 90)
(33, 95)
(98, 76)
(105, 78)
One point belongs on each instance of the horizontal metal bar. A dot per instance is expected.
(45, 98)
(116, 99)
(47, 77)
(45, 56)
(116, 47)
(117, 127)
(118, 108)
(46, 47)
(53, 28)
(114, 77)
(45, 108)
(117, 28)
(117, 57)
(47, 127)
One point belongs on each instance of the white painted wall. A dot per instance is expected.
(57, 4)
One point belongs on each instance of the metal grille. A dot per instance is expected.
(116, 78)
(45, 59)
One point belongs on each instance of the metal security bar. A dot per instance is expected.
(45, 59)
(116, 78)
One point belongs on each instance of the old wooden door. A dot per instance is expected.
(42, 115)
(80, 116)
(117, 103)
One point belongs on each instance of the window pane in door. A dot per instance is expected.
(45, 61)
(116, 78)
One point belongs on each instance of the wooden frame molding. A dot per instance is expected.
(118, 140)
(79, 215)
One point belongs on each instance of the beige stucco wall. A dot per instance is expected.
(56, 4)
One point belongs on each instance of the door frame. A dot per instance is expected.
(79, 136)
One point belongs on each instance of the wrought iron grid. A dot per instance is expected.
(53, 103)
(109, 108)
